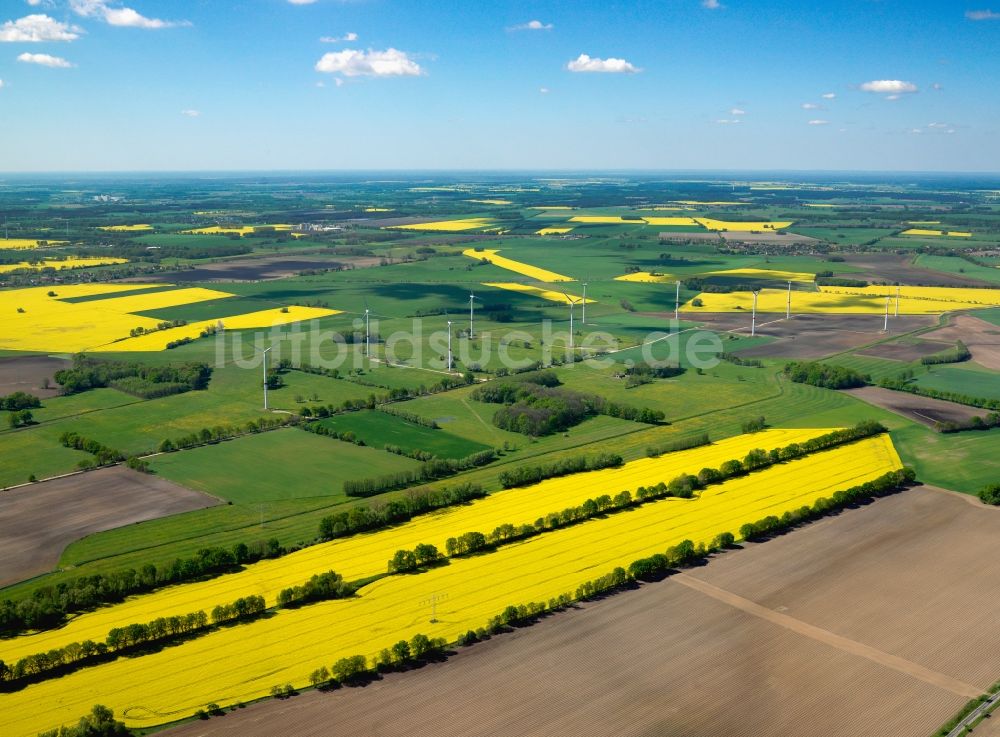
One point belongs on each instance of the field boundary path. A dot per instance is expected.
(844, 644)
(975, 716)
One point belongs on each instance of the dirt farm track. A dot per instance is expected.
(38, 521)
(879, 621)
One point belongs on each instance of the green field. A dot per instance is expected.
(966, 378)
(380, 428)
(276, 466)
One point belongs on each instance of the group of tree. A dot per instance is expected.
(740, 361)
(536, 405)
(672, 446)
(362, 517)
(355, 669)
(103, 455)
(824, 375)
(244, 608)
(905, 385)
(986, 422)
(430, 470)
(527, 475)
(990, 494)
(320, 587)
(408, 561)
(100, 722)
(48, 606)
(141, 380)
(957, 354)
(644, 374)
(17, 401)
(20, 418)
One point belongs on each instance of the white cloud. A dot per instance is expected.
(544, 90)
(355, 63)
(585, 63)
(337, 39)
(191, 113)
(37, 28)
(811, 106)
(45, 60)
(982, 15)
(829, 96)
(915, 131)
(938, 125)
(711, 4)
(889, 86)
(729, 121)
(532, 25)
(819, 122)
(301, 2)
(893, 98)
(737, 111)
(937, 87)
(120, 16)
(1, 84)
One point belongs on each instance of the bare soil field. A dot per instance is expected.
(981, 338)
(775, 239)
(877, 622)
(682, 237)
(922, 409)
(38, 521)
(28, 374)
(259, 269)
(912, 351)
(812, 336)
(893, 267)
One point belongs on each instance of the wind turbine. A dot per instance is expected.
(677, 302)
(788, 307)
(886, 328)
(572, 302)
(753, 319)
(897, 300)
(450, 359)
(264, 354)
(472, 312)
(584, 308)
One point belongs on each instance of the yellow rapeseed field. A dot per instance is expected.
(237, 229)
(361, 556)
(935, 233)
(448, 225)
(491, 202)
(126, 228)
(378, 209)
(73, 262)
(549, 207)
(18, 244)
(553, 231)
(604, 220)
(968, 298)
(243, 662)
(542, 275)
(550, 295)
(775, 274)
(670, 221)
(742, 227)
(925, 222)
(850, 300)
(157, 341)
(31, 320)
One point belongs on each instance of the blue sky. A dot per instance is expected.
(672, 84)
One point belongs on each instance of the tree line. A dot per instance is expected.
(321, 587)
(904, 385)
(126, 639)
(957, 354)
(17, 401)
(824, 375)
(362, 517)
(431, 470)
(48, 606)
(672, 446)
(209, 435)
(527, 475)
